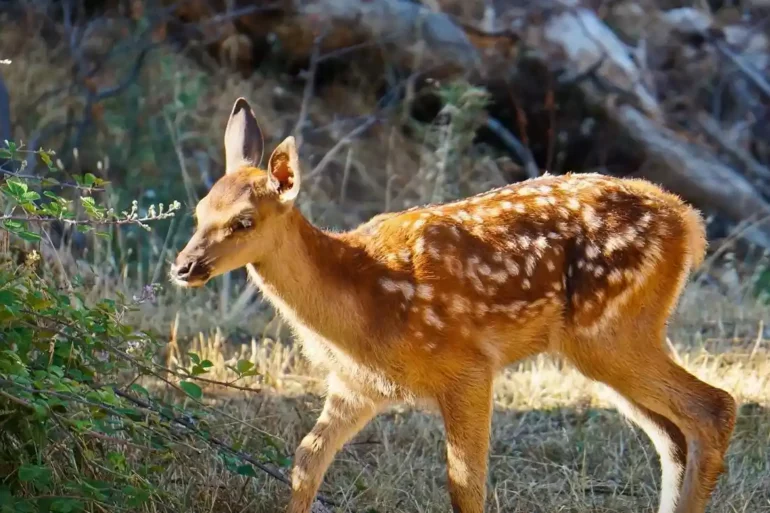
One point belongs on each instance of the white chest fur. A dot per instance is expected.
(323, 352)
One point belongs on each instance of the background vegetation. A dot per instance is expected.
(121, 393)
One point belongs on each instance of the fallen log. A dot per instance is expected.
(562, 35)
(686, 168)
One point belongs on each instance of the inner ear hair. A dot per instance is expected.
(280, 168)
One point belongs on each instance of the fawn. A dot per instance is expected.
(429, 303)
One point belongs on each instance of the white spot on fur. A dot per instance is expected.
(511, 266)
(530, 265)
(590, 219)
(459, 305)
(432, 319)
(499, 277)
(425, 292)
(404, 287)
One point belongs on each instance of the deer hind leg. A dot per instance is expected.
(669, 442)
(345, 413)
(643, 373)
(467, 413)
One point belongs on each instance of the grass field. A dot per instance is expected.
(556, 444)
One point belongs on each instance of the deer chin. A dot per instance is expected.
(189, 283)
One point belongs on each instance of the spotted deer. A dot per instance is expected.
(428, 304)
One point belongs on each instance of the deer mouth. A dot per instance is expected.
(189, 275)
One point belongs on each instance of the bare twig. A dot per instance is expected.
(307, 93)
(5, 112)
(187, 424)
(750, 71)
(105, 222)
(342, 142)
(510, 140)
(710, 126)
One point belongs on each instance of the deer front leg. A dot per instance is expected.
(345, 413)
(467, 413)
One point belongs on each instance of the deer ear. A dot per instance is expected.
(243, 138)
(283, 170)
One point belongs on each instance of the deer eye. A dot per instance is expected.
(241, 224)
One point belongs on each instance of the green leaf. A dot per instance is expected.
(191, 389)
(206, 364)
(30, 236)
(45, 158)
(246, 470)
(37, 473)
(194, 358)
(16, 186)
(12, 226)
(139, 389)
(66, 505)
(4, 154)
(7, 297)
(243, 366)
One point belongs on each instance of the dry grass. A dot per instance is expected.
(556, 443)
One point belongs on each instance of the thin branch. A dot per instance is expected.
(749, 70)
(5, 112)
(89, 222)
(41, 178)
(711, 127)
(510, 140)
(181, 421)
(342, 142)
(307, 94)
(130, 77)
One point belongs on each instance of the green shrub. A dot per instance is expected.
(77, 430)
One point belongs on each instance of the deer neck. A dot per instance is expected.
(307, 277)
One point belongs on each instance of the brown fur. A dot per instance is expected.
(428, 304)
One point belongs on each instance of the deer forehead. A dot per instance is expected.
(231, 195)
(217, 212)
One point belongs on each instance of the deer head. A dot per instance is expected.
(243, 216)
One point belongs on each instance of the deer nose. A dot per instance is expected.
(185, 270)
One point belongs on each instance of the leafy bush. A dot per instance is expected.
(78, 432)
